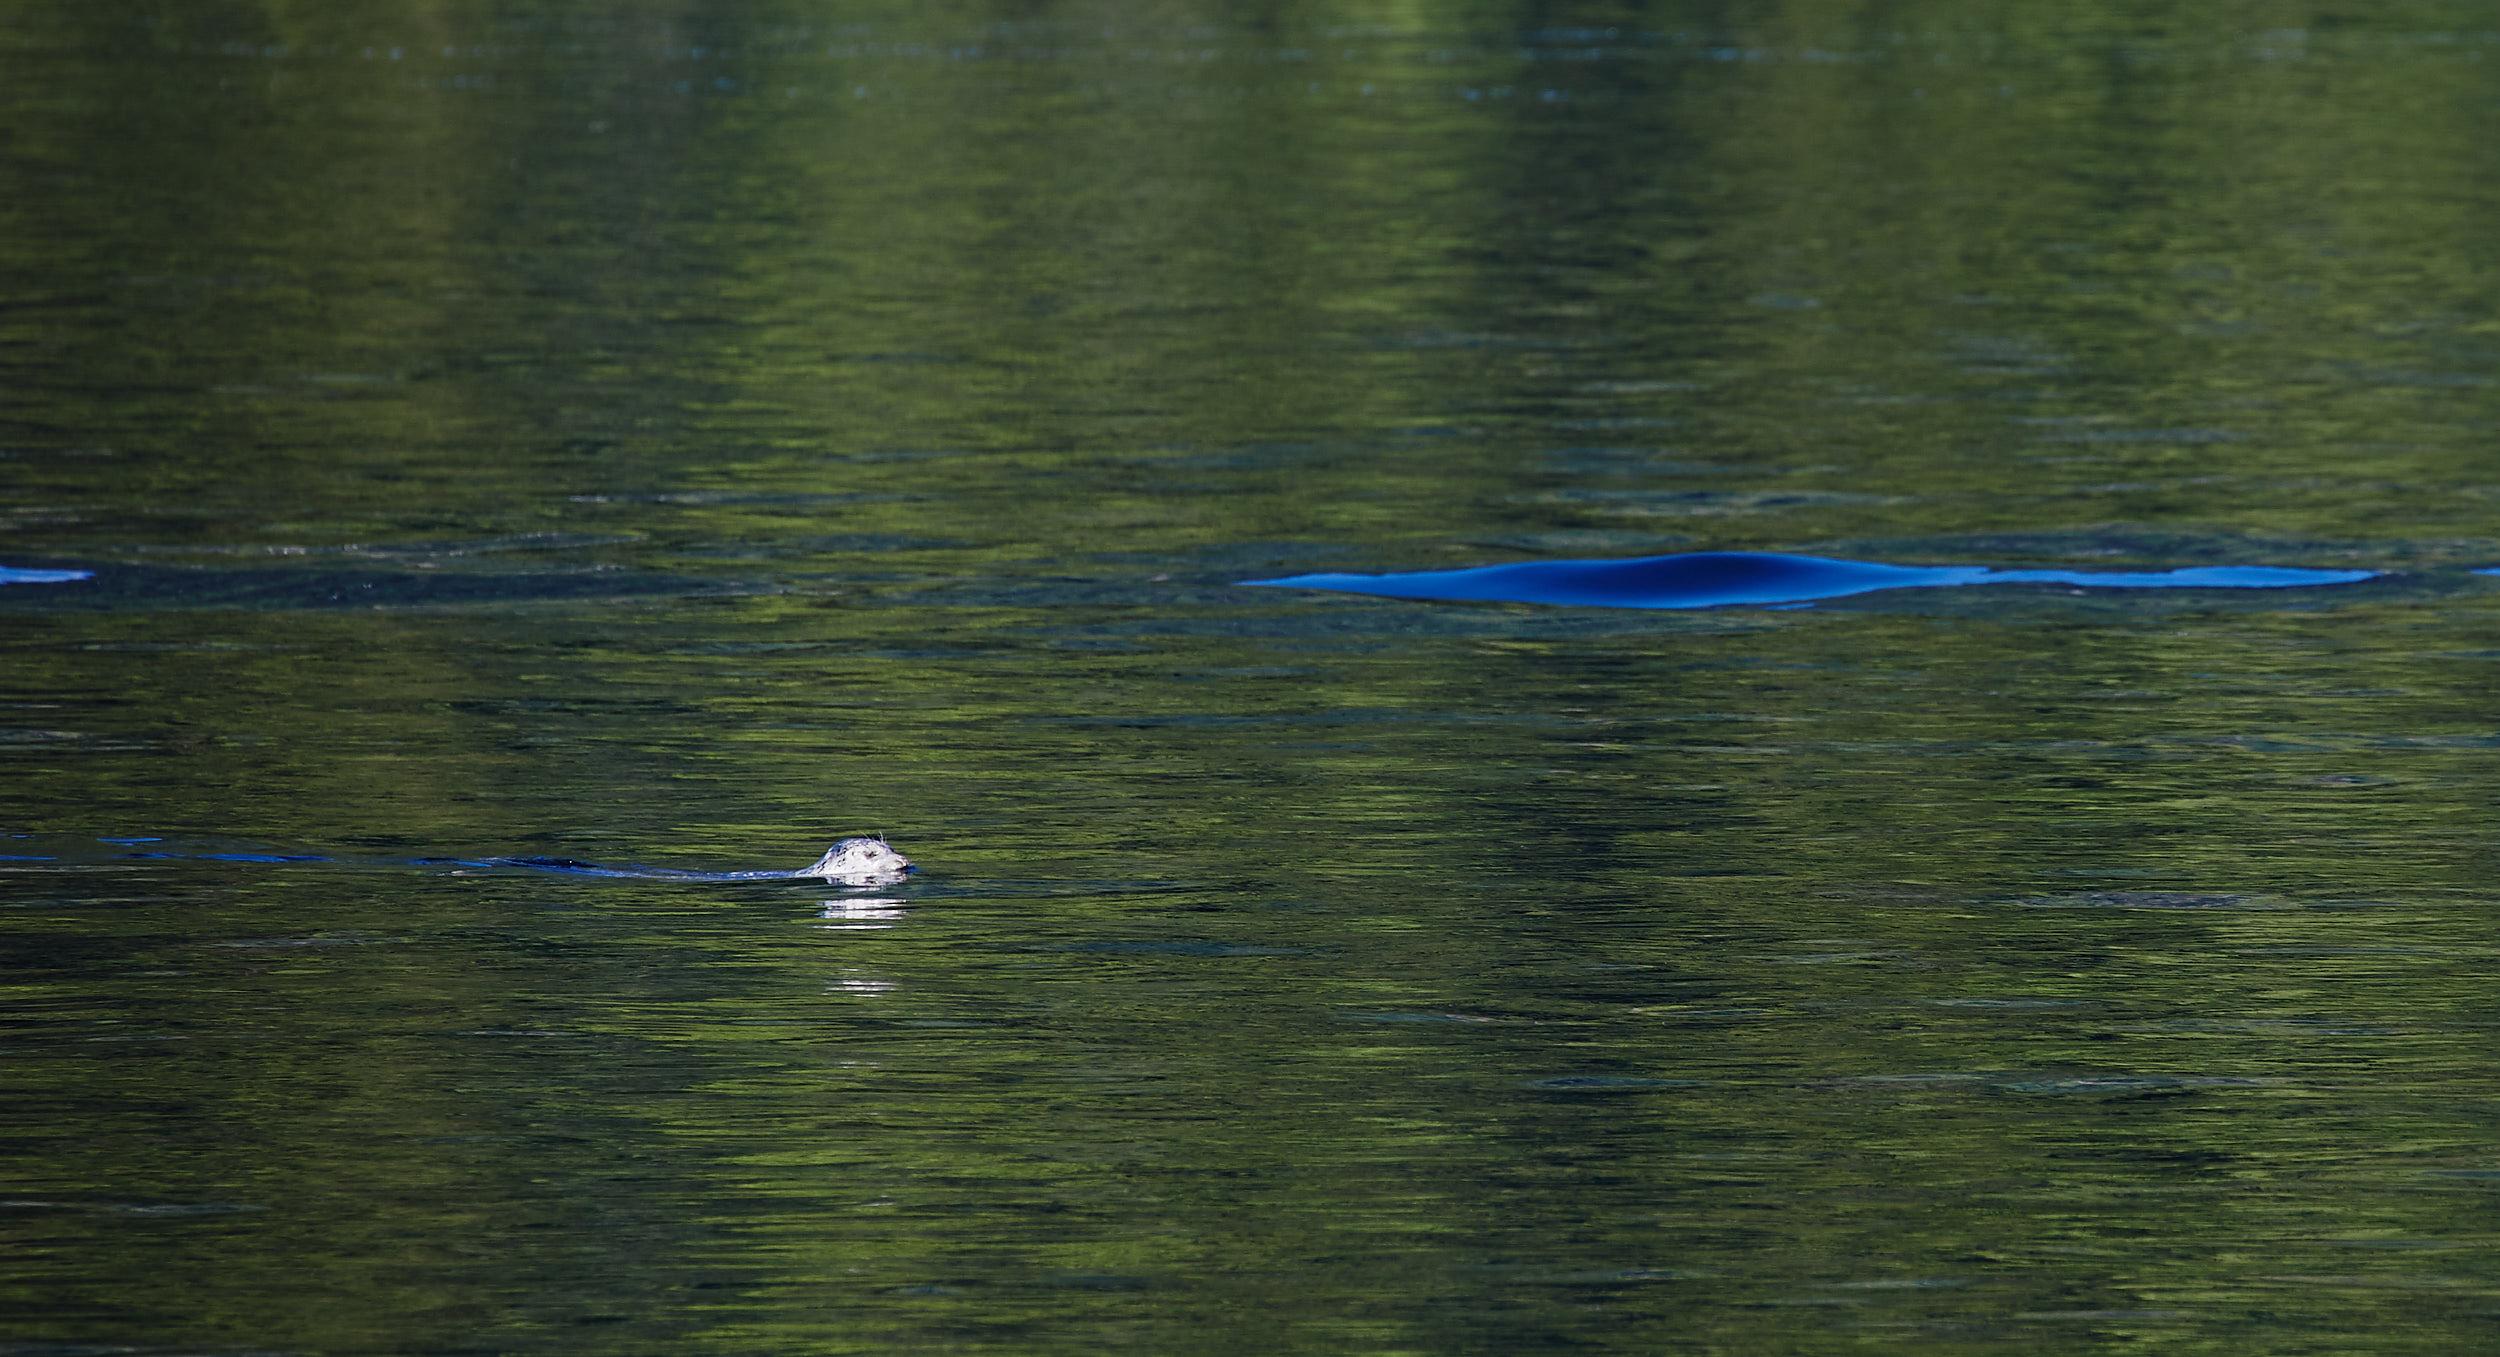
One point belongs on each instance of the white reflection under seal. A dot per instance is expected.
(871, 912)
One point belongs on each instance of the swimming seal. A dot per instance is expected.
(862, 862)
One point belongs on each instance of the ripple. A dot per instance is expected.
(2129, 1083)
(1628, 1274)
(133, 1208)
(1171, 949)
(2157, 900)
(1608, 1083)
(2101, 1314)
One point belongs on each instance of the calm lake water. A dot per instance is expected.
(686, 434)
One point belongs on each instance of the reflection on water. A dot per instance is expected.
(859, 985)
(1732, 578)
(870, 913)
(490, 488)
(10, 574)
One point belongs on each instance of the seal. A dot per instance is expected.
(863, 862)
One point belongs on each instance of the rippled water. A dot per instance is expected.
(443, 441)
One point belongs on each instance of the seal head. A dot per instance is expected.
(861, 862)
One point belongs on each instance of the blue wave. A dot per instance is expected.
(1719, 579)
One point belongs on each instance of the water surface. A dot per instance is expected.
(675, 437)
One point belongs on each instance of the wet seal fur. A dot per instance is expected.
(860, 862)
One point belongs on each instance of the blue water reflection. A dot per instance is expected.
(13, 574)
(1718, 579)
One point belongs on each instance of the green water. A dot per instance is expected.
(687, 434)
